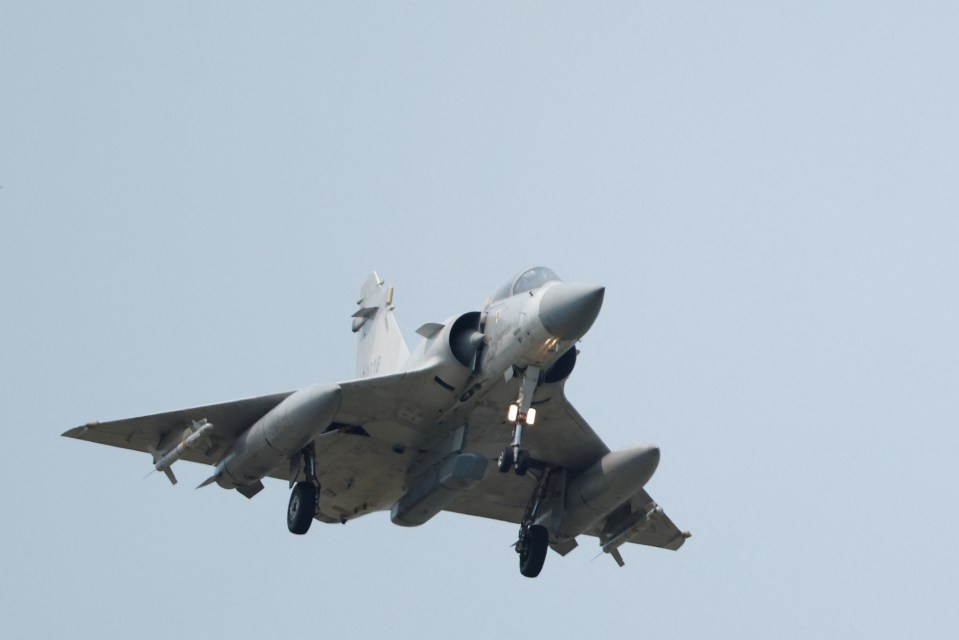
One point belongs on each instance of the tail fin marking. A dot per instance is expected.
(380, 346)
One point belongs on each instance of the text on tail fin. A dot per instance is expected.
(380, 346)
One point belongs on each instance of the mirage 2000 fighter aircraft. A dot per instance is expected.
(415, 433)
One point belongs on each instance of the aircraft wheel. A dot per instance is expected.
(302, 508)
(522, 462)
(505, 460)
(533, 555)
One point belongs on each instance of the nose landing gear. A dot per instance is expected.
(520, 413)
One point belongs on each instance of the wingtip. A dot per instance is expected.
(77, 432)
(679, 540)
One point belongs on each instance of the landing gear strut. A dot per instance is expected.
(533, 538)
(520, 414)
(304, 498)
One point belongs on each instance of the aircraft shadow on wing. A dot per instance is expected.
(416, 432)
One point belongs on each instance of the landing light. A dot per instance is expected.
(513, 415)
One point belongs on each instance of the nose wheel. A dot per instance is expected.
(516, 459)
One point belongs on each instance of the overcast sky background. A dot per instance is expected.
(191, 195)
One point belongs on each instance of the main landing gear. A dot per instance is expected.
(304, 499)
(533, 540)
(521, 413)
(532, 548)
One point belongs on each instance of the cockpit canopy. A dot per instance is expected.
(532, 278)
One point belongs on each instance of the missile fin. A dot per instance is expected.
(618, 557)
(250, 490)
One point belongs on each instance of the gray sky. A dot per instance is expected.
(192, 194)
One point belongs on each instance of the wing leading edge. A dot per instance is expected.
(160, 431)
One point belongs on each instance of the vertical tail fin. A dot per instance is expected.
(380, 349)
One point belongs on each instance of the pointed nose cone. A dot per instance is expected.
(568, 309)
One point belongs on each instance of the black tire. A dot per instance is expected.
(505, 460)
(522, 462)
(302, 508)
(533, 555)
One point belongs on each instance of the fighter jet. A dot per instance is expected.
(474, 420)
